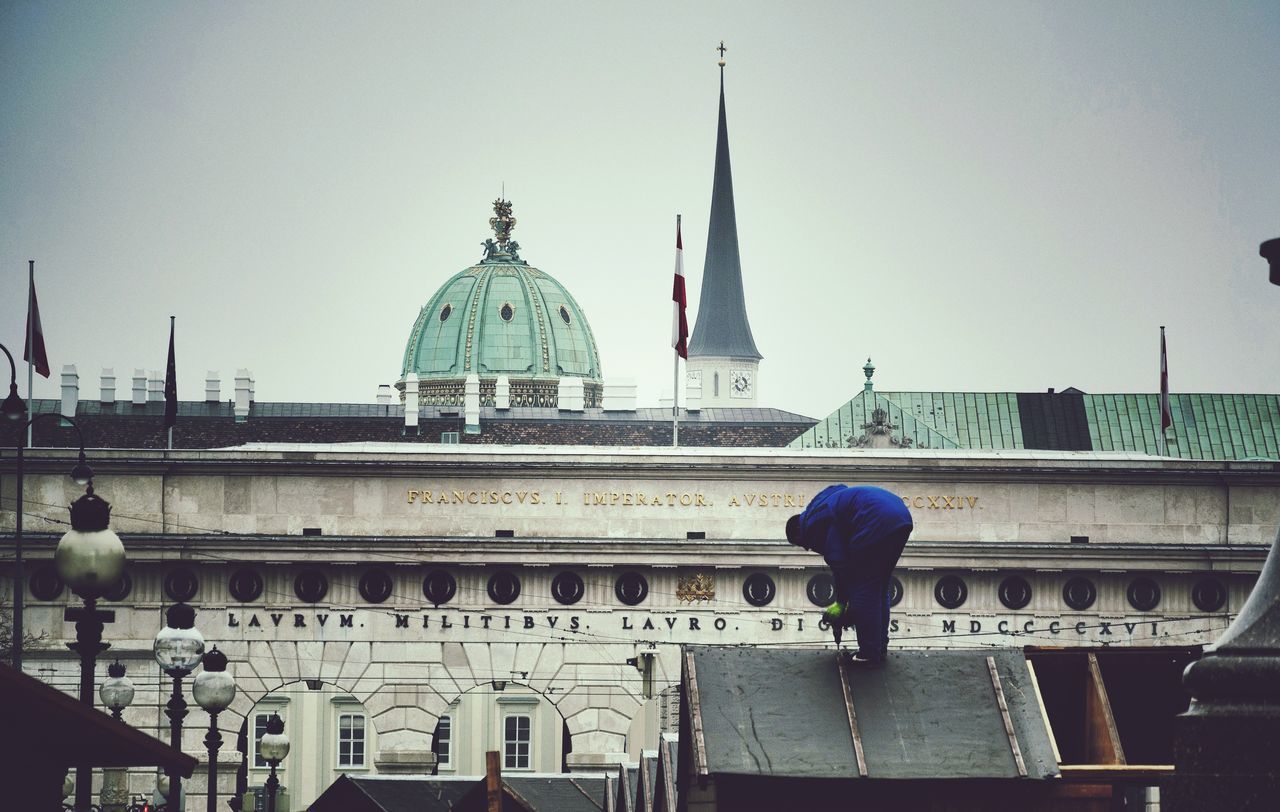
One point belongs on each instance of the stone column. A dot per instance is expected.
(115, 790)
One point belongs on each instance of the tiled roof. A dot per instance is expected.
(1205, 426)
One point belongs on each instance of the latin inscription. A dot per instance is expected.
(448, 497)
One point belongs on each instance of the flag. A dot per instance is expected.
(1166, 415)
(679, 324)
(171, 384)
(33, 351)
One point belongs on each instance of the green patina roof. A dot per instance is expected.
(1205, 426)
(502, 317)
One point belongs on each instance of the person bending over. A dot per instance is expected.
(860, 531)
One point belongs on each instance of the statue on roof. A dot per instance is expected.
(503, 248)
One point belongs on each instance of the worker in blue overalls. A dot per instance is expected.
(860, 532)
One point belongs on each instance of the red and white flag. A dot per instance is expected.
(1166, 415)
(679, 324)
(33, 351)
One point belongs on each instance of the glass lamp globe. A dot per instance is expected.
(274, 745)
(213, 688)
(179, 646)
(117, 690)
(14, 407)
(90, 557)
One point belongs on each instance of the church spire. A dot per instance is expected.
(722, 329)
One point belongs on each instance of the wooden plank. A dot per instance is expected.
(1103, 739)
(1004, 715)
(853, 716)
(695, 715)
(1044, 714)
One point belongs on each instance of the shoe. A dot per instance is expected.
(865, 661)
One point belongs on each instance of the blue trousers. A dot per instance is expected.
(865, 585)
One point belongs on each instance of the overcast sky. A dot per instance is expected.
(988, 197)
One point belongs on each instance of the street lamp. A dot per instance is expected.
(14, 408)
(214, 690)
(116, 692)
(89, 560)
(178, 648)
(1220, 747)
(273, 747)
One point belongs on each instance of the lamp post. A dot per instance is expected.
(214, 690)
(273, 747)
(179, 648)
(89, 559)
(1224, 745)
(116, 693)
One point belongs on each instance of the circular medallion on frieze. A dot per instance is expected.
(1015, 592)
(439, 587)
(310, 586)
(245, 585)
(120, 590)
(758, 589)
(504, 587)
(375, 585)
(1079, 593)
(895, 592)
(45, 584)
(631, 588)
(1209, 595)
(950, 592)
(567, 588)
(821, 590)
(1143, 594)
(181, 584)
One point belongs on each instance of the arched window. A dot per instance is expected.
(715, 385)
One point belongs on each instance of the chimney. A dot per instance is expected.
(155, 386)
(244, 394)
(108, 387)
(471, 403)
(384, 394)
(619, 395)
(493, 781)
(139, 387)
(70, 389)
(570, 394)
(212, 387)
(411, 403)
(502, 392)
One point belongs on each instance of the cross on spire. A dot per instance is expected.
(721, 49)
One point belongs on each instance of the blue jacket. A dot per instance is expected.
(841, 519)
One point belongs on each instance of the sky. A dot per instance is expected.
(1003, 196)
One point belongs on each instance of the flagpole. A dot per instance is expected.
(31, 349)
(1162, 398)
(675, 383)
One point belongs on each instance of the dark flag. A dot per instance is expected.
(34, 352)
(171, 384)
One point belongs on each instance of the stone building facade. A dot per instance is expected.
(419, 579)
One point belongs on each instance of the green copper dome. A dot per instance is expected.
(500, 317)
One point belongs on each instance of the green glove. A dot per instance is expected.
(834, 612)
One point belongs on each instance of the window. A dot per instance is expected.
(515, 742)
(259, 730)
(350, 740)
(449, 437)
(444, 740)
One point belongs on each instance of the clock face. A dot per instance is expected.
(741, 382)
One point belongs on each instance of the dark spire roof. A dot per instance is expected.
(722, 327)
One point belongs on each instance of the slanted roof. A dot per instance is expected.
(559, 793)
(55, 728)
(625, 795)
(648, 772)
(664, 799)
(1205, 426)
(925, 715)
(367, 793)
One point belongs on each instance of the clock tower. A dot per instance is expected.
(722, 353)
